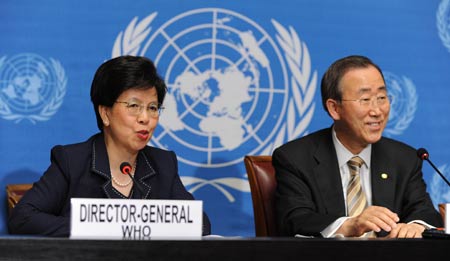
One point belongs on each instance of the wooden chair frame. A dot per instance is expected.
(261, 176)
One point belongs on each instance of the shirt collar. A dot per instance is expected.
(344, 155)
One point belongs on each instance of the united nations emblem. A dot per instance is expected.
(403, 105)
(233, 89)
(31, 88)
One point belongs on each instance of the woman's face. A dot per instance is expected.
(125, 126)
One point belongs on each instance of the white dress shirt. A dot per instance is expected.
(343, 156)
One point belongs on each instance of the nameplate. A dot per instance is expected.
(135, 219)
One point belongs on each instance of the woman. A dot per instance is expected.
(127, 94)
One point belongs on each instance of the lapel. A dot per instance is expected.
(383, 177)
(328, 176)
(100, 166)
(144, 172)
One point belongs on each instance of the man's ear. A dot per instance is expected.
(334, 109)
(104, 114)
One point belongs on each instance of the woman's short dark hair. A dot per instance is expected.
(120, 74)
(330, 87)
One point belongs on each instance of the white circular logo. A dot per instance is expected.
(32, 87)
(225, 97)
(233, 89)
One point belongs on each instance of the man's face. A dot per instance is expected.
(364, 111)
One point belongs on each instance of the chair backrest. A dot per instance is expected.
(441, 207)
(14, 193)
(261, 176)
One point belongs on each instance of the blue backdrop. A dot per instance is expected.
(243, 78)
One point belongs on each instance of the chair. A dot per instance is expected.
(14, 193)
(261, 176)
(441, 207)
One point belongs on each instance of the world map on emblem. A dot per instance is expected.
(225, 98)
(26, 82)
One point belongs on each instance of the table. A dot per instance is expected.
(215, 249)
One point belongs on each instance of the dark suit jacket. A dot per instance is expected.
(82, 171)
(309, 194)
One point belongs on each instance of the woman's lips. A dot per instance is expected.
(143, 135)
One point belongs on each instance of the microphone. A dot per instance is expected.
(423, 154)
(126, 168)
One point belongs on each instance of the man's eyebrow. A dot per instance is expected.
(382, 88)
(366, 90)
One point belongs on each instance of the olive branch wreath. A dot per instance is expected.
(442, 23)
(408, 115)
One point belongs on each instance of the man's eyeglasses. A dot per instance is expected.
(366, 102)
(134, 108)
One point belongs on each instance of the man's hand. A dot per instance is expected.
(373, 218)
(412, 230)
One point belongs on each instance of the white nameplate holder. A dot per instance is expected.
(135, 219)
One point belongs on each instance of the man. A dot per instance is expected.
(322, 193)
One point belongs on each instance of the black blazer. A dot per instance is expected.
(309, 192)
(82, 171)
